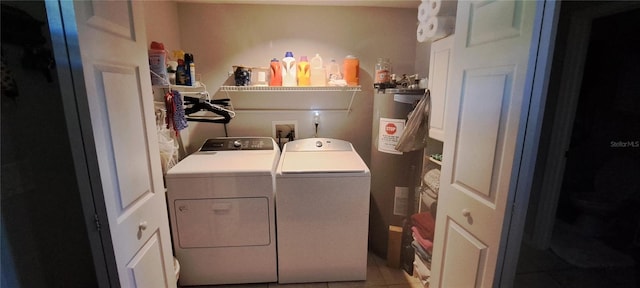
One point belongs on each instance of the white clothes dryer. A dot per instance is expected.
(221, 208)
(322, 208)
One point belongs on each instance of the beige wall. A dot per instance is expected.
(161, 19)
(223, 35)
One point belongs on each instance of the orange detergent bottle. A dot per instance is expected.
(351, 67)
(276, 73)
(303, 72)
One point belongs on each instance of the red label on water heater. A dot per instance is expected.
(390, 128)
(388, 135)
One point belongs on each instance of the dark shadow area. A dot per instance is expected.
(596, 238)
(44, 237)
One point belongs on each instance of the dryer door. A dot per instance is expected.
(222, 222)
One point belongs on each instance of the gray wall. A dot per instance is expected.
(223, 35)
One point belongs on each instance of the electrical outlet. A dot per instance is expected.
(284, 129)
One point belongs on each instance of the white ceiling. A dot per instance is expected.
(363, 3)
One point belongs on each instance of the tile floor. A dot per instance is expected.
(378, 276)
(536, 269)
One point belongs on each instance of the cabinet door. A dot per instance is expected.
(113, 46)
(487, 113)
(439, 64)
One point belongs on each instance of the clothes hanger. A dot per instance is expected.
(198, 104)
(223, 103)
(216, 106)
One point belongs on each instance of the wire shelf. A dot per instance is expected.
(263, 89)
(289, 89)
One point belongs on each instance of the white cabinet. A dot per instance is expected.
(439, 70)
(439, 64)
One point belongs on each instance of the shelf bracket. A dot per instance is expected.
(351, 102)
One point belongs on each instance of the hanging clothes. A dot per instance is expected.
(179, 119)
(175, 117)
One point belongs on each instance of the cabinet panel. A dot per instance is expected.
(469, 258)
(439, 64)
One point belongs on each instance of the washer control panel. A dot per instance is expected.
(318, 144)
(229, 144)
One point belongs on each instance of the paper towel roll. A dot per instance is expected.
(423, 12)
(421, 33)
(442, 7)
(439, 27)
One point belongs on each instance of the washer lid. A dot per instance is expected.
(253, 162)
(322, 162)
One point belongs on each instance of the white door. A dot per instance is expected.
(484, 124)
(112, 41)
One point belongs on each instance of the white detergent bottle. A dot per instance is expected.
(289, 70)
(318, 74)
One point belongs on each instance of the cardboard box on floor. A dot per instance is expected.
(394, 246)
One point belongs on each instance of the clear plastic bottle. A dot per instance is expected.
(303, 72)
(333, 71)
(383, 72)
(318, 74)
(289, 68)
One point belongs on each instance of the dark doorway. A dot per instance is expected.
(44, 240)
(596, 237)
(601, 186)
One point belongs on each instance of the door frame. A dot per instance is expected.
(537, 83)
(565, 111)
(66, 49)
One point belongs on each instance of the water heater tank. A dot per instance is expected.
(394, 175)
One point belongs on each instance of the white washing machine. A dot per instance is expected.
(221, 207)
(322, 208)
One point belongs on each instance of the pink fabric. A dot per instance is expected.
(425, 224)
(426, 244)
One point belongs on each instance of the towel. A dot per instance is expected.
(426, 257)
(425, 224)
(426, 244)
(432, 180)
